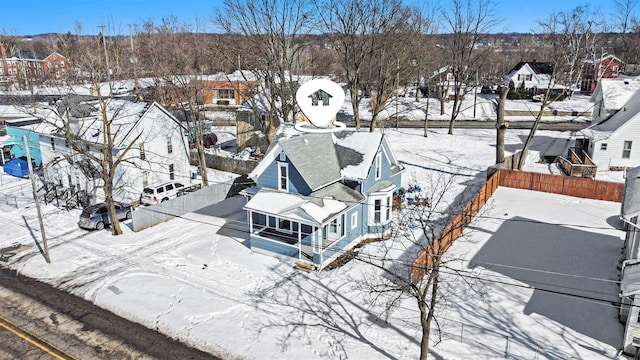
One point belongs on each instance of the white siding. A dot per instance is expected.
(612, 157)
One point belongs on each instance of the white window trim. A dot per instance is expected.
(626, 150)
(286, 166)
(378, 169)
(384, 198)
(285, 230)
(354, 220)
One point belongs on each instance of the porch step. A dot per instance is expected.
(305, 266)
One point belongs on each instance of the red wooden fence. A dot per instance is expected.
(557, 184)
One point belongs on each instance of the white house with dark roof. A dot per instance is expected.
(614, 142)
(319, 194)
(534, 75)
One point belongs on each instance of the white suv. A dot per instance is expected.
(159, 193)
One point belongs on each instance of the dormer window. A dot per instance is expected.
(283, 176)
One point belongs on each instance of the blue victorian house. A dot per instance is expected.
(320, 194)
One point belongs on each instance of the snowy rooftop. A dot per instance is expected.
(629, 112)
(617, 92)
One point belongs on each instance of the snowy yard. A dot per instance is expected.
(194, 277)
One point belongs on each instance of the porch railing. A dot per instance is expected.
(578, 164)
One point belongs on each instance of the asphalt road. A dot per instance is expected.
(76, 326)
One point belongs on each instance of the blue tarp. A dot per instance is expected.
(17, 167)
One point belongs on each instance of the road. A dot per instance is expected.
(36, 319)
(474, 124)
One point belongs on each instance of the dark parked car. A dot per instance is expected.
(97, 216)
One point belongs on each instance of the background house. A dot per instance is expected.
(533, 77)
(319, 194)
(23, 66)
(158, 148)
(610, 142)
(608, 66)
(228, 89)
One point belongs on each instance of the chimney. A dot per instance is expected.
(3, 58)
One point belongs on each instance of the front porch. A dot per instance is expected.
(318, 244)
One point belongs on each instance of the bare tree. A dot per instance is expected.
(274, 31)
(178, 54)
(624, 17)
(426, 227)
(467, 21)
(570, 38)
(361, 33)
(91, 129)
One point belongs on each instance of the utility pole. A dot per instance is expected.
(134, 61)
(35, 198)
(475, 95)
(397, 88)
(106, 57)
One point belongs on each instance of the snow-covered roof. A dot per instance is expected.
(631, 197)
(355, 144)
(296, 207)
(238, 75)
(324, 158)
(86, 118)
(616, 92)
(603, 130)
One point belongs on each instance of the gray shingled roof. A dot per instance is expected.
(315, 158)
(337, 191)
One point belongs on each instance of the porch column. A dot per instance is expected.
(250, 221)
(299, 242)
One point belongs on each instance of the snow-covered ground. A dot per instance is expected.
(195, 278)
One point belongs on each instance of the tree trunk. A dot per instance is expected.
(355, 104)
(501, 127)
(453, 112)
(426, 117)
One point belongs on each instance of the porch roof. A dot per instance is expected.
(314, 209)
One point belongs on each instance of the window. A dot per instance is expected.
(172, 176)
(626, 150)
(603, 146)
(333, 226)
(169, 187)
(388, 209)
(354, 220)
(377, 211)
(524, 77)
(378, 165)
(283, 176)
(53, 144)
(284, 225)
(225, 94)
(169, 146)
(615, 71)
(143, 156)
